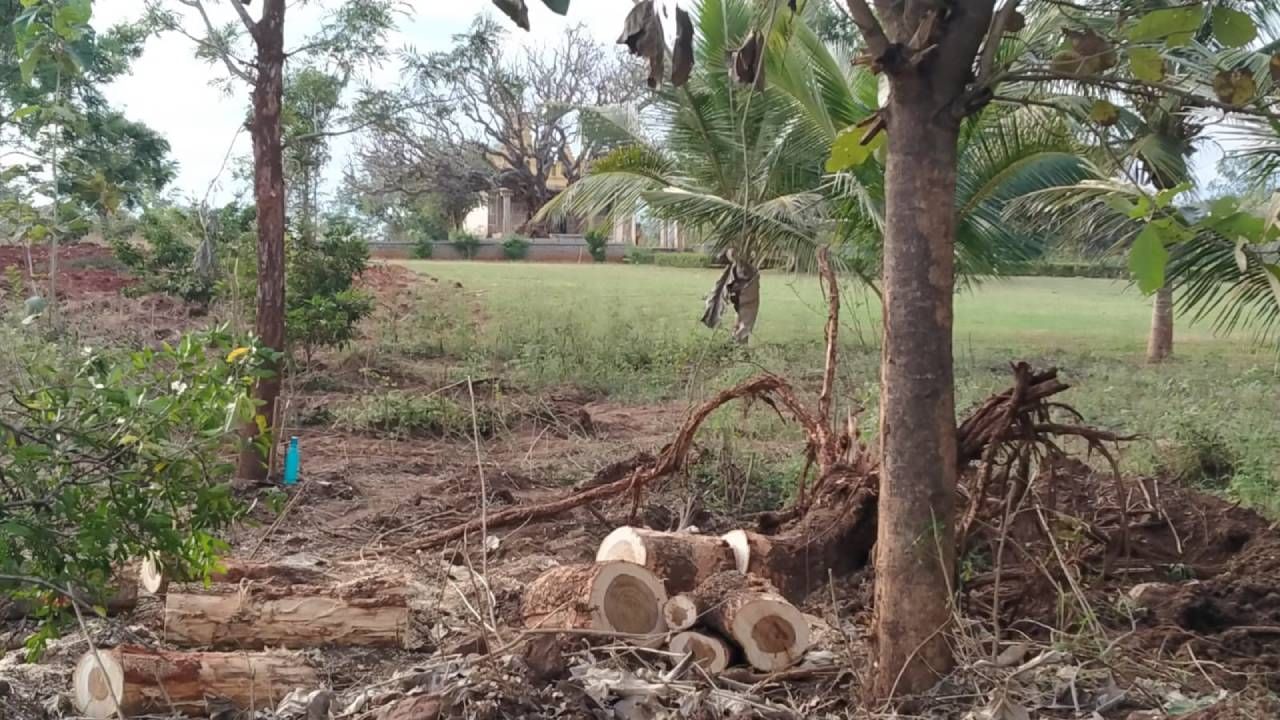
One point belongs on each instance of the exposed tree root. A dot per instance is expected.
(831, 526)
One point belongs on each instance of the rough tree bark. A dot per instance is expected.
(1160, 342)
(929, 55)
(269, 193)
(914, 543)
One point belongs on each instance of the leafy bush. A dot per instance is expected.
(405, 415)
(639, 256)
(465, 243)
(167, 261)
(1201, 457)
(423, 248)
(114, 455)
(515, 248)
(682, 259)
(322, 305)
(596, 242)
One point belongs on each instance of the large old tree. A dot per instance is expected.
(513, 109)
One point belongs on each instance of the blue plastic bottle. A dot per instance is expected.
(291, 462)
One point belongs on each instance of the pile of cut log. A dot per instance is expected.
(697, 592)
(244, 608)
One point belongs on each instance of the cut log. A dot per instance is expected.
(615, 596)
(371, 614)
(682, 560)
(680, 612)
(833, 538)
(709, 652)
(146, 681)
(155, 580)
(772, 633)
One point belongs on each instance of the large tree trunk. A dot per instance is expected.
(915, 544)
(1160, 343)
(269, 193)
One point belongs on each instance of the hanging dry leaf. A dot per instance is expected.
(642, 34)
(516, 10)
(1235, 87)
(1017, 21)
(682, 54)
(748, 61)
(1275, 68)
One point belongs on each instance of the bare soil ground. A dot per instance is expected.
(1200, 635)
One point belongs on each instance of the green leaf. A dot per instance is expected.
(1120, 205)
(1141, 209)
(25, 112)
(1165, 197)
(1104, 113)
(27, 66)
(1232, 27)
(560, 7)
(848, 150)
(1146, 64)
(1175, 26)
(1147, 260)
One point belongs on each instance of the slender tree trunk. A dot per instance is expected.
(269, 192)
(915, 545)
(1160, 342)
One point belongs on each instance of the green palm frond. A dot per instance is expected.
(1216, 289)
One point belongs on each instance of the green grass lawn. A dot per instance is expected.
(632, 332)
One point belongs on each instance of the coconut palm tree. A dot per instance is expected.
(744, 166)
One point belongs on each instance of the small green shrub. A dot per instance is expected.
(1200, 457)
(639, 256)
(515, 248)
(405, 415)
(596, 242)
(467, 245)
(423, 248)
(167, 261)
(682, 259)
(116, 455)
(323, 307)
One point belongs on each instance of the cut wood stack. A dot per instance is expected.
(614, 596)
(129, 681)
(154, 579)
(695, 587)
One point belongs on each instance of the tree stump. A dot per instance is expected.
(144, 681)
(682, 560)
(680, 613)
(772, 633)
(709, 652)
(613, 596)
(368, 613)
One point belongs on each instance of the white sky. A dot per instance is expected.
(171, 91)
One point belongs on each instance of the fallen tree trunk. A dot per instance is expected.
(615, 596)
(680, 613)
(709, 652)
(154, 579)
(682, 560)
(833, 538)
(137, 681)
(366, 614)
(772, 633)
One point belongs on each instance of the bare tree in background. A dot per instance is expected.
(514, 110)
